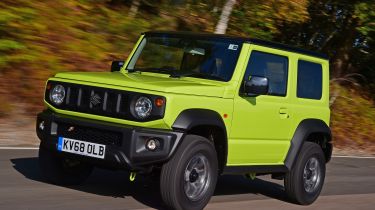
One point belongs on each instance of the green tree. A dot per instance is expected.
(343, 29)
(263, 18)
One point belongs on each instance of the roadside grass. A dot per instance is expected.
(5, 107)
(353, 120)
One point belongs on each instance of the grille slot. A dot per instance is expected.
(89, 134)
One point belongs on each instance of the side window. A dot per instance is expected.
(274, 67)
(309, 80)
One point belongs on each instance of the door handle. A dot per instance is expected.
(283, 113)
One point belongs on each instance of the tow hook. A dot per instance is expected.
(251, 176)
(132, 176)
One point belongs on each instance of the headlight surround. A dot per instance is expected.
(57, 94)
(143, 107)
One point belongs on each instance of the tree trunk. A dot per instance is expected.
(134, 8)
(222, 25)
(342, 60)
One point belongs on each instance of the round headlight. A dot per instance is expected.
(57, 94)
(143, 107)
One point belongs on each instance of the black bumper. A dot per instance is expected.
(125, 145)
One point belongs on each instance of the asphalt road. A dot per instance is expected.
(350, 184)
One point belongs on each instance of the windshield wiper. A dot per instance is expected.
(177, 74)
(195, 74)
(163, 70)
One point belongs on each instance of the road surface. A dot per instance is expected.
(350, 184)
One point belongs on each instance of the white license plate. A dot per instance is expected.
(81, 147)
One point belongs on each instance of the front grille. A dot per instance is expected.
(102, 101)
(98, 101)
(89, 134)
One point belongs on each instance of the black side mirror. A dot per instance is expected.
(256, 86)
(117, 65)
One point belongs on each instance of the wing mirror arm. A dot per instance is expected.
(117, 65)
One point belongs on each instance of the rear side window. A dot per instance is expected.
(274, 67)
(309, 82)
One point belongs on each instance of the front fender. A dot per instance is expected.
(190, 118)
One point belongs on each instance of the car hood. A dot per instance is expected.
(146, 81)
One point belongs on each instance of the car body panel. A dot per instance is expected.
(260, 133)
(149, 81)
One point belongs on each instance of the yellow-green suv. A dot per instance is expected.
(192, 107)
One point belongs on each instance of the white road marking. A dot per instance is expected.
(333, 156)
(354, 157)
(19, 148)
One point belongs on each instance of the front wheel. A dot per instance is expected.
(188, 179)
(304, 182)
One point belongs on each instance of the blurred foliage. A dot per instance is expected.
(344, 29)
(365, 12)
(353, 119)
(262, 18)
(40, 38)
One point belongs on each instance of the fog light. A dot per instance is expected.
(152, 144)
(41, 125)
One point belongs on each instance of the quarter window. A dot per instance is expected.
(274, 67)
(309, 80)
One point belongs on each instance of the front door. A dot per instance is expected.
(260, 132)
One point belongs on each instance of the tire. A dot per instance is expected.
(195, 152)
(294, 181)
(62, 171)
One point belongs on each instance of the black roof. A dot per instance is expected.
(243, 39)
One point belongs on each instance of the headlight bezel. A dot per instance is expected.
(57, 89)
(156, 112)
(145, 111)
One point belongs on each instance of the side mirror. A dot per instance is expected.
(117, 65)
(256, 86)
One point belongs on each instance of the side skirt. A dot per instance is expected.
(268, 169)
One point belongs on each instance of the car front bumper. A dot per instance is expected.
(125, 145)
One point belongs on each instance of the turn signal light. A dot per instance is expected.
(159, 102)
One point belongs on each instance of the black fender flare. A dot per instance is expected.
(304, 129)
(191, 118)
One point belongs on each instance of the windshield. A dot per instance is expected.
(202, 57)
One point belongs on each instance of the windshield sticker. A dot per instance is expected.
(233, 47)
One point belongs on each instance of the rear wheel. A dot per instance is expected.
(61, 170)
(304, 182)
(188, 179)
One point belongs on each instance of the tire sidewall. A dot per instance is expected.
(187, 150)
(304, 197)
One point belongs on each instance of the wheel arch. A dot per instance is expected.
(312, 130)
(206, 123)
